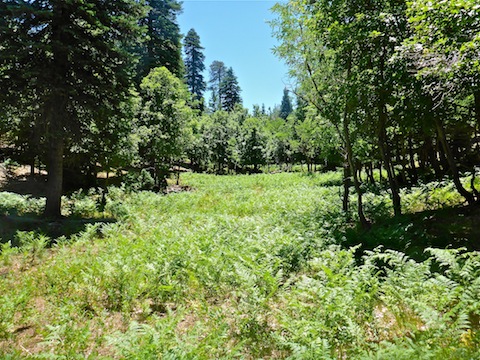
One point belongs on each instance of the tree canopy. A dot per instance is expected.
(194, 64)
(66, 63)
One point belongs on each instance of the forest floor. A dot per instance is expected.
(251, 266)
(18, 180)
(32, 190)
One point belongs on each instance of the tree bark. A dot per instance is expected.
(55, 138)
(411, 156)
(386, 157)
(432, 157)
(32, 166)
(382, 140)
(380, 174)
(359, 171)
(476, 96)
(353, 171)
(346, 186)
(369, 168)
(56, 113)
(402, 159)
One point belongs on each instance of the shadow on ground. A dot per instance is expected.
(448, 228)
(11, 222)
(10, 225)
(20, 182)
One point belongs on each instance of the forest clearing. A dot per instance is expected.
(245, 266)
(156, 206)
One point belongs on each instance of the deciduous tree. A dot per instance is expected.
(162, 119)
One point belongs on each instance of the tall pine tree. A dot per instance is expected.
(163, 44)
(229, 91)
(66, 61)
(217, 73)
(286, 106)
(194, 64)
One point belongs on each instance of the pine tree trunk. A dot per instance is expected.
(55, 180)
(55, 113)
(55, 136)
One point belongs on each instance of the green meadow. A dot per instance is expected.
(241, 267)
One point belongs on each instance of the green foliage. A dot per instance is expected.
(69, 78)
(286, 107)
(251, 150)
(12, 204)
(194, 64)
(446, 35)
(163, 45)
(217, 72)
(141, 181)
(84, 204)
(243, 266)
(229, 91)
(163, 115)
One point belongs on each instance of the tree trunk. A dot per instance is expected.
(380, 174)
(443, 161)
(451, 162)
(476, 96)
(432, 157)
(472, 185)
(386, 157)
(91, 176)
(353, 171)
(55, 138)
(359, 170)
(346, 187)
(32, 166)
(402, 151)
(411, 155)
(397, 208)
(55, 112)
(382, 141)
(369, 168)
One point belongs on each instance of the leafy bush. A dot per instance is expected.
(14, 204)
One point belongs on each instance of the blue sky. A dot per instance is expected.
(236, 32)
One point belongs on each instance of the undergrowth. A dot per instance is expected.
(248, 267)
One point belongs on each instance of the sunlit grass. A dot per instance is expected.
(239, 267)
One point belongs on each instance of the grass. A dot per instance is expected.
(242, 267)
